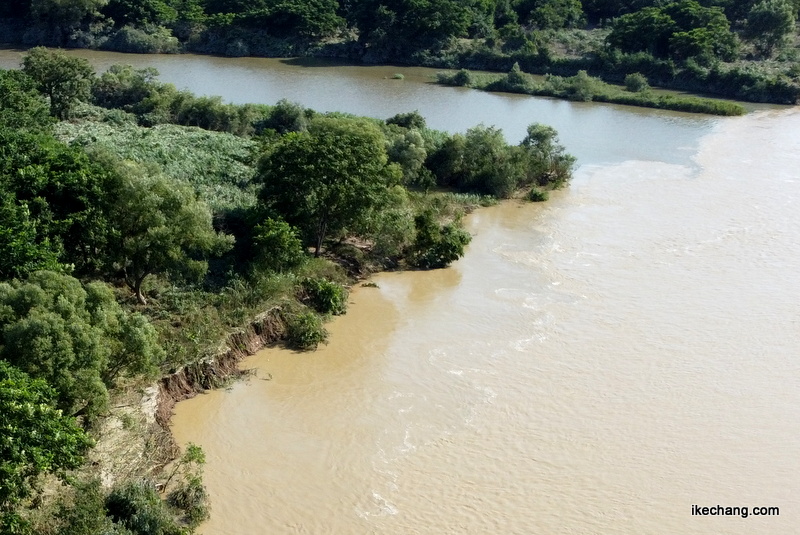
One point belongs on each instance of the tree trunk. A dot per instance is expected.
(322, 227)
(140, 296)
(137, 289)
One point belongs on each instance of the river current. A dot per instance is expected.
(595, 364)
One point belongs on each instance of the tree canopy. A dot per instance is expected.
(75, 337)
(680, 29)
(769, 24)
(323, 180)
(35, 437)
(160, 227)
(63, 79)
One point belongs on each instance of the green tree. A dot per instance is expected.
(76, 338)
(408, 120)
(326, 179)
(399, 25)
(140, 12)
(480, 161)
(437, 246)
(22, 249)
(21, 106)
(35, 437)
(646, 30)
(66, 11)
(160, 227)
(307, 18)
(277, 246)
(548, 163)
(56, 196)
(555, 14)
(122, 86)
(63, 79)
(769, 25)
(705, 30)
(681, 29)
(406, 147)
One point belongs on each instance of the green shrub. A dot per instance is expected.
(86, 515)
(462, 78)
(538, 195)
(437, 246)
(191, 498)
(408, 120)
(636, 82)
(277, 246)
(154, 40)
(324, 296)
(305, 330)
(137, 506)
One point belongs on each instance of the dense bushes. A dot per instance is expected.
(76, 337)
(137, 507)
(305, 330)
(324, 296)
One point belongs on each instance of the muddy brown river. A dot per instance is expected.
(597, 364)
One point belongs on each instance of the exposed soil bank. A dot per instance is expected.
(193, 379)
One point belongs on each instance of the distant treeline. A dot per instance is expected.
(141, 225)
(743, 49)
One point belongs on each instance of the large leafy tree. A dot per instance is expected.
(309, 18)
(324, 180)
(401, 24)
(54, 196)
(160, 227)
(124, 12)
(65, 80)
(65, 14)
(35, 438)
(680, 30)
(75, 337)
(769, 24)
(22, 249)
(548, 163)
(21, 105)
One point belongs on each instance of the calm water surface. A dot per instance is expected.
(592, 133)
(594, 365)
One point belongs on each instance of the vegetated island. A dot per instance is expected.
(738, 49)
(152, 237)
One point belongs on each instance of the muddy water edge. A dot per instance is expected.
(596, 364)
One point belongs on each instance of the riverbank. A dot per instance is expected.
(585, 88)
(744, 81)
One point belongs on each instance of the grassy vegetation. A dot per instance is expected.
(585, 88)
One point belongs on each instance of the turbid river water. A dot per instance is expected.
(597, 364)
